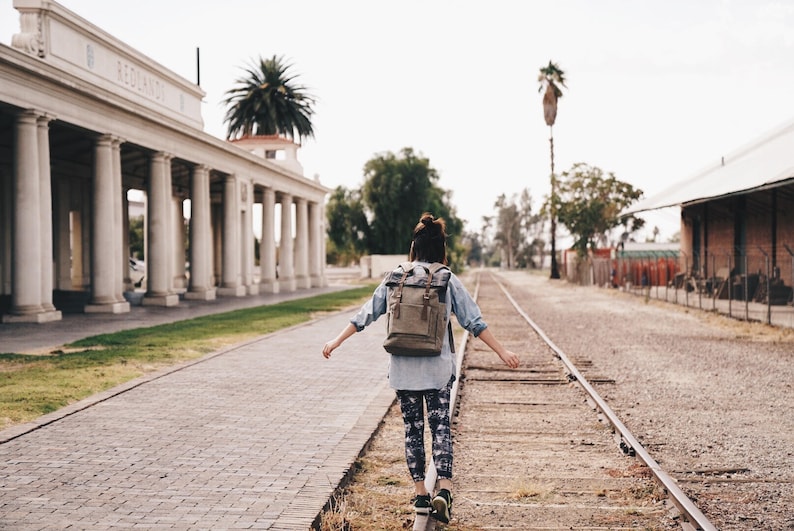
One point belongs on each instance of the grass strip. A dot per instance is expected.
(33, 385)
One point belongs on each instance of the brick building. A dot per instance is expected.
(737, 221)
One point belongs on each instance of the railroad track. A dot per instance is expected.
(538, 448)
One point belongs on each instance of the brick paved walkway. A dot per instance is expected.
(35, 337)
(254, 437)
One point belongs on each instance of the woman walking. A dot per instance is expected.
(427, 381)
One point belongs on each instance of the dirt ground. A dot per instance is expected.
(514, 465)
(708, 396)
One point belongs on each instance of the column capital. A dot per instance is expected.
(114, 140)
(44, 118)
(104, 140)
(162, 156)
(29, 115)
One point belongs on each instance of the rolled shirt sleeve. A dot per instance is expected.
(372, 309)
(466, 310)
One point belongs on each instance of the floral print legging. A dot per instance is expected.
(412, 406)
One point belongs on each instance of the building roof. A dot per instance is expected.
(767, 162)
(649, 249)
(274, 140)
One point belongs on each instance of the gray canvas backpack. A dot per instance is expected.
(417, 314)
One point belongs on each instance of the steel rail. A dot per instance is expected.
(687, 508)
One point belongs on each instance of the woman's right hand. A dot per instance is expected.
(329, 347)
(510, 358)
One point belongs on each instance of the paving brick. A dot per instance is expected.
(257, 437)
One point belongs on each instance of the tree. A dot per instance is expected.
(531, 251)
(551, 78)
(508, 230)
(654, 235)
(590, 203)
(348, 231)
(397, 190)
(136, 237)
(472, 246)
(516, 229)
(267, 101)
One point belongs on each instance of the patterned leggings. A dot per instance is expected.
(412, 406)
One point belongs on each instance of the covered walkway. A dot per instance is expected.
(84, 120)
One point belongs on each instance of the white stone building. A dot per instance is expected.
(84, 118)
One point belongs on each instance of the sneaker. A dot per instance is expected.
(442, 506)
(422, 504)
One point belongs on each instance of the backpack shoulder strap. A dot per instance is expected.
(437, 266)
(434, 268)
(407, 267)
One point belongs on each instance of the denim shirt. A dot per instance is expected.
(410, 373)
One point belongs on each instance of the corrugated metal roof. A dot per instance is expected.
(765, 163)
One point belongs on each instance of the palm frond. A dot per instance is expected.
(267, 100)
(551, 78)
(552, 75)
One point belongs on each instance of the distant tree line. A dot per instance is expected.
(377, 218)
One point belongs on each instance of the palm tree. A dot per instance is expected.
(551, 78)
(266, 101)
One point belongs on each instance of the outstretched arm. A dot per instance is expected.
(332, 345)
(510, 358)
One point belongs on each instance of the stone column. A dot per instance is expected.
(158, 255)
(26, 256)
(216, 226)
(125, 244)
(230, 274)
(81, 243)
(316, 256)
(302, 243)
(5, 232)
(178, 245)
(86, 216)
(63, 236)
(104, 242)
(267, 247)
(286, 271)
(200, 286)
(119, 227)
(45, 189)
(323, 240)
(26, 236)
(247, 245)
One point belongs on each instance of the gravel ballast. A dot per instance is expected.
(708, 396)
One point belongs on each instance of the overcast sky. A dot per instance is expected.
(657, 90)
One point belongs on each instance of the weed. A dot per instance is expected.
(526, 491)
